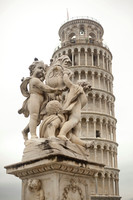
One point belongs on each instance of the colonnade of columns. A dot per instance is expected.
(88, 57)
(100, 103)
(97, 79)
(105, 155)
(106, 129)
(106, 184)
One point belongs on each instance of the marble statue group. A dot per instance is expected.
(53, 102)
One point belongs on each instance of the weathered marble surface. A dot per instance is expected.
(55, 104)
(44, 148)
(54, 169)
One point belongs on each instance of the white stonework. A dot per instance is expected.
(81, 39)
(75, 156)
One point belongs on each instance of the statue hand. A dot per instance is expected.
(58, 91)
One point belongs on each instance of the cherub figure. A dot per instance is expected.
(75, 101)
(52, 121)
(34, 186)
(37, 97)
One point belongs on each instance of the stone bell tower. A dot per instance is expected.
(82, 40)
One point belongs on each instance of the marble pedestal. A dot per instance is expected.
(55, 170)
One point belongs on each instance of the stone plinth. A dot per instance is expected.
(55, 170)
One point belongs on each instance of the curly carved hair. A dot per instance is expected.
(34, 64)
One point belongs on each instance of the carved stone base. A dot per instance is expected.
(55, 170)
(105, 197)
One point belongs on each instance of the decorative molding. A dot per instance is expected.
(55, 166)
(73, 188)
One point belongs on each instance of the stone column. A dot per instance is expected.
(98, 59)
(102, 153)
(86, 73)
(100, 103)
(101, 128)
(103, 184)
(99, 83)
(108, 84)
(104, 87)
(94, 96)
(116, 186)
(108, 107)
(96, 184)
(113, 186)
(85, 57)
(108, 156)
(106, 130)
(116, 160)
(111, 158)
(107, 63)
(87, 127)
(114, 134)
(93, 81)
(113, 110)
(94, 127)
(110, 67)
(79, 75)
(109, 184)
(103, 61)
(78, 57)
(72, 58)
(111, 131)
(92, 53)
(105, 105)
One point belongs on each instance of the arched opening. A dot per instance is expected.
(72, 38)
(83, 75)
(92, 38)
(76, 56)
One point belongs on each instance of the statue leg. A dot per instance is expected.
(51, 128)
(77, 140)
(33, 125)
(75, 137)
(25, 132)
(67, 126)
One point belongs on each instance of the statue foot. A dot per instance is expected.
(62, 137)
(33, 137)
(50, 137)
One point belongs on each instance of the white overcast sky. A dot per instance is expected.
(28, 29)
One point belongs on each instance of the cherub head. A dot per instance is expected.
(53, 107)
(38, 69)
(34, 185)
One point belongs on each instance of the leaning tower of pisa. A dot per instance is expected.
(82, 40)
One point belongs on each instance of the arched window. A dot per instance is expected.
(92, 38)
(82, 31)
(72, 38)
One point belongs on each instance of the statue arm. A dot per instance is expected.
(67, 81)
(43, 87)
